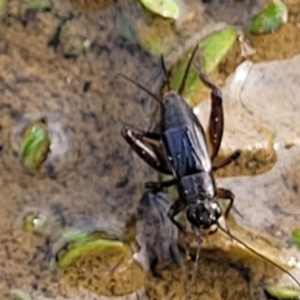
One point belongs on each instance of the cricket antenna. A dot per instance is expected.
(167, 79)
(258, 254)
(192, 282)
(187, 69)
(197, 256)
(204, 78)
(155, 97)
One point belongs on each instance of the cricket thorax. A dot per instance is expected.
(198, 186)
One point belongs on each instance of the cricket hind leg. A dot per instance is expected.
(146, 146)
(233, 157)
(159, 186)
(216, 120)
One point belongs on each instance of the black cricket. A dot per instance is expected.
(181, 149)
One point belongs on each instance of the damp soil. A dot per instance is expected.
(72, 79)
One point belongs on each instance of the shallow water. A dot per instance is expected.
(102, 182)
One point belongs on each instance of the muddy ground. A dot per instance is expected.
(99, 182)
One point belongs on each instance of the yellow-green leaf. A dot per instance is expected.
(283, 293)
(35, 145)
(30, 221)
(3, 5)
(295, 239)
(101, 246)
(164, 8)
(270, 19)
(213, 48)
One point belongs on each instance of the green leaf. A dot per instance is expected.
(283, 293)
(29, 222)
(100, 246)
(35, 145)
(295, 239)
(3, 5)
(213, 48)
(270, 19)
(77, 237)
(164, 8)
